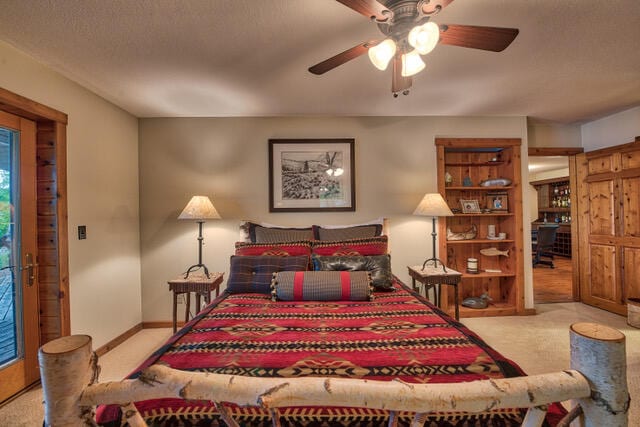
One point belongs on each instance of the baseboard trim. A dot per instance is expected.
(119, 339)
(161, 324)
(529, 312)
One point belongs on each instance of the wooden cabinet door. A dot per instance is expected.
(609, 237)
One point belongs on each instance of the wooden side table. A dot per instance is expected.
(432, 277)
(201, 285)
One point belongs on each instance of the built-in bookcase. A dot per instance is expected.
(464, 165)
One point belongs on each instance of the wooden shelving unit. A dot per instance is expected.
(477, 160)
(548, 190)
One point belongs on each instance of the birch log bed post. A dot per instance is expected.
(598, 384)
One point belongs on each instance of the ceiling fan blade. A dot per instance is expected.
(434, 6)
(369, 8)
(494, 39)
(399, 83)
(341, 58)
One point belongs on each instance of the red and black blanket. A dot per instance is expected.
(397, 335)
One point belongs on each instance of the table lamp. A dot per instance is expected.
(199, 209)
(433, 205)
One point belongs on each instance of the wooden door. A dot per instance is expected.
(19, 331)
(609, 202)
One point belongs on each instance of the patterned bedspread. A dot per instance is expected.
(398, 335)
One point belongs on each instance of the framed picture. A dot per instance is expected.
(311, 175)
(498, 201)
(470, 206)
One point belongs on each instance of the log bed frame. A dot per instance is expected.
(597, 382)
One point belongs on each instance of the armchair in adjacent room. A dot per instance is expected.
(543, 244)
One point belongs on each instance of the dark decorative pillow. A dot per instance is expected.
(322, 286)
(262, 234)
(274, 249)
(347, 233)
(379, 266)
(254, 273)
(354, 247)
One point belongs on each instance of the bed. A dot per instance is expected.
(394, 337)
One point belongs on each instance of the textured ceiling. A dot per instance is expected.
(573, 61)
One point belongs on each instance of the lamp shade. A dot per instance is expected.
(412, 63)
(424, 37)
(432, 204)
(199, 208)
(381, 54)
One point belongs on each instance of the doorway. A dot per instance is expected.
(19, 329)
(552, 195)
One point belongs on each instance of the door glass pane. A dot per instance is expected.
(10, 291)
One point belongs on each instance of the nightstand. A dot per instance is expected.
(432, 277)
(201, 285)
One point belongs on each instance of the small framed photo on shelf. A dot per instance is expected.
(498, 202)
(469, 206)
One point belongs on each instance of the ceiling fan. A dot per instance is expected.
(409, 34)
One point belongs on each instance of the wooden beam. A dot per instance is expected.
(25, 107)
(554, 151)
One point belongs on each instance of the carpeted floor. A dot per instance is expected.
(537, 343)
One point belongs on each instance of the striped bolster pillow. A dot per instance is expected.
(321, 286)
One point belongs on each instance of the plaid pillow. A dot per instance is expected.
(274, 249)
(379, 266)
(354, 247)
(254, 273)
(322, 286)
(346, 233)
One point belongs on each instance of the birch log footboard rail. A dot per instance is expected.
(596, 382)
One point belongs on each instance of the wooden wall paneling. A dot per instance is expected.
(583, 209)
(576, 220)
(600, 164)
(601, 207)
(630, 158)
(630, 201)
(62, 223)
(631, 271)
(609, 188)
(603, 273)
(47, 233)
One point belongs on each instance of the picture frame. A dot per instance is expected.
(498, 202)
(312, 175)
(469, 206)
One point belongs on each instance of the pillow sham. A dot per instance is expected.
(268, 233)
(378, 266)
(353, 247)
(254, 273)
(274, 249)
(321, 286)
(346, 233)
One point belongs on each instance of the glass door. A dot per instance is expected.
(19, 333)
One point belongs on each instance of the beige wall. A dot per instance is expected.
(553, 135)
(616, 129)
(226, 159)
(103, 195)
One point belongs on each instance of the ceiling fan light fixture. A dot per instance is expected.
(412, 63)
(381, 54)
(424, 37)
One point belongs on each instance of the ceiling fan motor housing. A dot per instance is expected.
(405, 13)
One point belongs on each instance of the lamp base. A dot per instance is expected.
(195, 267)
(435, 262)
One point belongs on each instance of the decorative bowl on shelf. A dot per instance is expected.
(495, 182)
